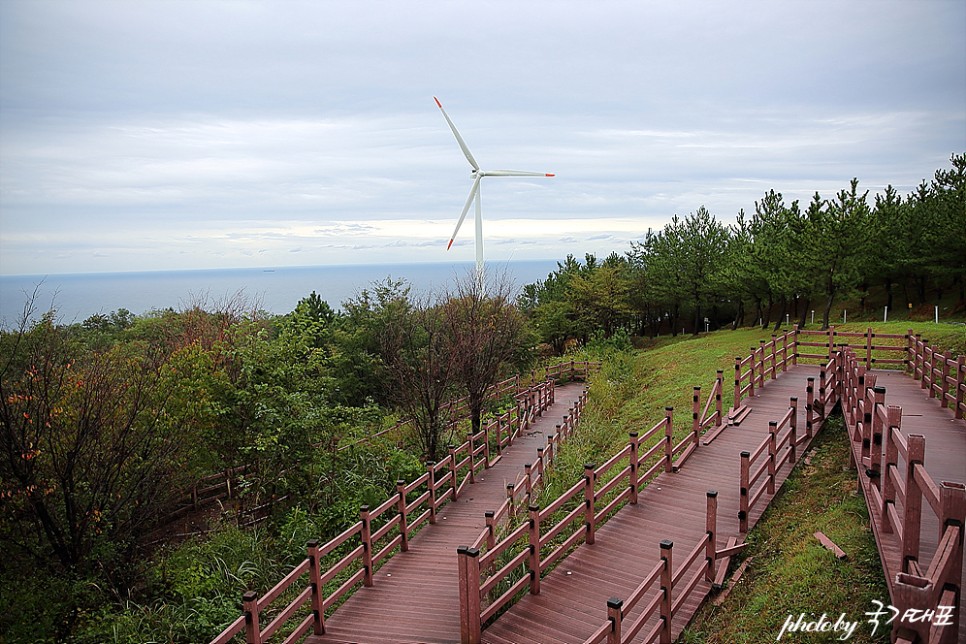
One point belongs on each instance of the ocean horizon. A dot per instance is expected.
(77, 296)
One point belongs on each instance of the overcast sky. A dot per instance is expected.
(197, 134)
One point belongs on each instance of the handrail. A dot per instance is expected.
(440, 483)
(896, 482)
(673, 587)
(780, 448)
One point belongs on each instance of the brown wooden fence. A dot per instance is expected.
(674, 586)
(493, 573)
(896, 483)
(386, 529)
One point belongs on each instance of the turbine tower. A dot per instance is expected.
(478, 175)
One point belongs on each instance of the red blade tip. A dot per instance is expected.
(438, 104)
(449, 244)
(550, 174)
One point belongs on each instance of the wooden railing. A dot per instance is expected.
(895, 482)
(942, 374)
(493, 573)
(764, 362)
(673, 582)
(381, 531)
(763, 464)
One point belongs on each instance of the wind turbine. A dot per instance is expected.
(478, 175)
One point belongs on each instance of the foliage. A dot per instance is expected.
(779, 262)
(85, 458)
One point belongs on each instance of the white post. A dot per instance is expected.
(937, 314)
(786, 318)
(813, 316)
(885, 315)
(845, 316)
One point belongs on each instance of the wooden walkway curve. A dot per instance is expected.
(415, 598)
(573, 598)
(632, 550)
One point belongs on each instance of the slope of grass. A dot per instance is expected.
(791, 572)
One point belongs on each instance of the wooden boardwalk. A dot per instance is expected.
(945, 460)
(676, 512)
(415, 596)
(573, 597)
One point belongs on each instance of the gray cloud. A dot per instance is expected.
(186, 135)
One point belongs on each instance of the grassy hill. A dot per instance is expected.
(790, 572)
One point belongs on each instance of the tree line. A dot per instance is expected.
(783, 259)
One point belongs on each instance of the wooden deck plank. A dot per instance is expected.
(945, 460)
(420, 601)
(672, 507)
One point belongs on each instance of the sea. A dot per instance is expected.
(76, 297)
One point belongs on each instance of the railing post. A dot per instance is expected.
(822, 378)
(431, 469)
(528, 473)
(540, 465)
(868, 348)
(809, 407)
(666, 586)
(366, 538)
(947, 358)
(891, 461)
(911, 353)
(490, 517)
(911, 595)
(668, 437)
(960, 384)
(912, 516)
(471, 628)
(634, 462)
(865, 409)
(589, 484)
(615, 614)
(711, 527)
(403, 516)
(831, 340)
(695, 415)
(743, 491)
(875, 454)
(486, 445)
(509, 496)
(795, 332)
(719, 390)
(534, 558)
(472, 443)
(772, 454)
(454, 479)
(774, 356)
(751, 372)
(253, 634)
(737, 382)
(315, 582)
(793, 430)
(785, 357)
(952, 502)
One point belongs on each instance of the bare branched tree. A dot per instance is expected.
(421, 366)
(486, 331)
(82, 452)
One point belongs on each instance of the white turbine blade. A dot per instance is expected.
(469, 201)
(516, 173)
(459, 139)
